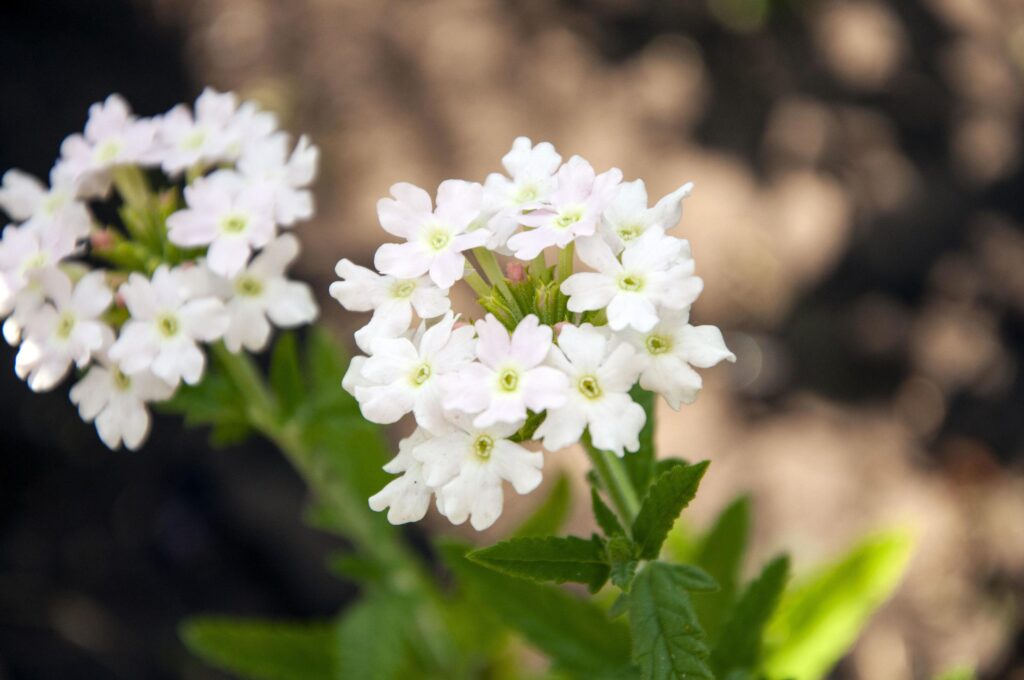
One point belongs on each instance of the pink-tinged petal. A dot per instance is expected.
(403, 214)
(390, 320)
(502, 409)
(135, 346)
(528, 244)
(393, 358)
(575, 181)
(680, 290)
(631, 311)
(669, 210)
(472, 239)
(139, 297)
(228, 256)
(651, 251)
(403, 260)
(544, 388)
(615, 422)
(466, 389)
(459, 203)
(620, 369)
(457, 352)
(441, 457)
(486, 506)
(530, 342)
(274, 259)
(92, 295)
(673, 379)
(190, 228)
(429, 301)
(588, 291)
(493, 343)
(21, 194)
(447, 268)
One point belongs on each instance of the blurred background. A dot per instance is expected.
(858, 221)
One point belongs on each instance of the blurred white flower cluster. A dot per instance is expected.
(129, 304)
(557, 353)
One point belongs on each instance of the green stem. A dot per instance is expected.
(133, 187)
(476, 283)
(565, 261)
(493, 271)
(615, 479)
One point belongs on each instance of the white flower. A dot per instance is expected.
(392, 300)
(531, 180)
(656, 271)
(509, 378)
(628, 217)
(113, 136)
(261, 292)
(466, 468)
(407, 497)
(435, 239)
(572, 210)
(117, 402)
(601, 371)
(26, 252)
(25, 198)
(166, 321)
(226, 214)
(403, 375)
(215, 134)
(266, 164)
(667, 352)
(67, 330)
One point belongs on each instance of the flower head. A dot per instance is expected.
(26, 199)
(285, 178)
(530, 181)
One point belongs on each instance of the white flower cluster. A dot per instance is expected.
(558, 352)
(129, 306)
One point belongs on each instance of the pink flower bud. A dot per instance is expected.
(560, 325)
(101, 239)
(515, 271)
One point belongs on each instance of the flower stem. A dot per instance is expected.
(476, 282)
(565, 260)
(493, 271)
(613, 476)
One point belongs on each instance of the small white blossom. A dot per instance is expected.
(406, 497)
(656, 271)
(435, 239)
(225, 213)
(392, 300)
(601, 371)
(27, 252)
(25, 198)
(266, 164)
(531, 179)
(628, 217)
(572, 210)
(214, 134)
(117, 402)
(669, 350)
(261, 292)
(65, 330)
(467, 466)
(509, 378)
(167, 319)
(403, 375)
(113, 136)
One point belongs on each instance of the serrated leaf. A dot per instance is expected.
(604, 516)
(286, 374)
(373, 638)
(549, 517)
(691, 577)
(739, 646)
(575, 633)
(622, 557)
(720, 553)
(669, 494)
(551, 558)
(668, 643)
(819, 619)
(640, 464)
(263, 650)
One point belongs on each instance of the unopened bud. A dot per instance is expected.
(101, 239)
(560, 325)
(515, 271)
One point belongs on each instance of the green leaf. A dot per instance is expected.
(739, 646)
(720, 553)
(668, 642)
(353, 567)
(622, 556)
(286, 375)
(558, 559)
(263, 650)
(373, 638)
(692, 578)
(325, 362)
(606, 519)
(669, 494)
(640, 464)
(215, 402)
(552, 513)
(818, 620)
(575, 633)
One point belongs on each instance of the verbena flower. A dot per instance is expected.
(25, 199)
(628, 217)
(530, 181)
(215, 133)
(266, 164)
(407, 497)
(435, 238)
